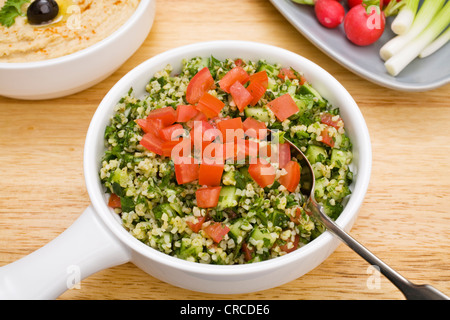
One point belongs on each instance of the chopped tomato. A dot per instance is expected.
(254, 128)
(248, 253)
(231, 129)
(186, 112)
(208, 197)
(283, 107)
(287, 73)
(202, 134)
(257, 91)
(298, 215)
(216, 231)
(177, 148)
(262, 172)
(152, 143)
(288, 247)
(199, 84)
(210, 173)
(114, 201)
(326, 137)
(172, 132)
(291, 74)
(292, 178)
(235, 74)
(150, 125)
(186, 170)
(327, 119)
(167, 115)
(203, 131)
(241, 96)
(260, 77)
(239, 62)
(195, 227)
(284, 154)
(213, 153)
(198, 117)
(210, 105)
(168, 146)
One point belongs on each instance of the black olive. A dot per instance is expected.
(42, 11)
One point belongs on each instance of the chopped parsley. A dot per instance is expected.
(10, 11)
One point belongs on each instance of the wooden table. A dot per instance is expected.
(404, 220)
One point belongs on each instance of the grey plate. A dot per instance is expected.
(420, 75)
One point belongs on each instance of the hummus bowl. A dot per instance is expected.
(97, 240)
(79, 69)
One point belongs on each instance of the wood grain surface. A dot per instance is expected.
(404, 219)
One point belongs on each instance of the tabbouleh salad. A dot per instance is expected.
(224, 212)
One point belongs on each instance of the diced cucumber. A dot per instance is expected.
(121, 177)
(301, 104)
(245, 174)
(308, 89)
(279, 218)
(239, 228)
(258, 113)
(190, 248)
(162, 242)
(271, 70)
(264, 235)
(319, 187)
(166, 208)
(272, 85)
(228, 178)
(227, 198)
(316, 153)
(341, 157)
(177, 207)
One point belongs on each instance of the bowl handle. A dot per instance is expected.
(86, 247)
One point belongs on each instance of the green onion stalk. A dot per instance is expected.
(436, 44)
(425, 15)
(405, 17)
(409, 52)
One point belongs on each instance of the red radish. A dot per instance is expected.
(352, 3)
(330, 13)
(362, 28)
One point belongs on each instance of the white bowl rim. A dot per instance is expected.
(80, 54)
(320, 243)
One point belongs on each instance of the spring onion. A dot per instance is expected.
(425, 14)
(405, 17)
(402, 58)
(436, 44)
(308, 2)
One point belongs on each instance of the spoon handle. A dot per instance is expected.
(409, 289)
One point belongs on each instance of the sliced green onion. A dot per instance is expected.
(405, 17)
(408, 53)
(436, 44)
(425, 14)
(308, 2)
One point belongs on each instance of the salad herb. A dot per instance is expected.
(10, 11)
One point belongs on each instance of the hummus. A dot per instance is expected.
(80, 24)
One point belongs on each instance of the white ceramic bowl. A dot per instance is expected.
(80, 70)
(97, 240)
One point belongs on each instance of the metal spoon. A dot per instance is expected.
(410, 290)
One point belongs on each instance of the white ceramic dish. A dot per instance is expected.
(97, 240)
(75, 72)
(420, 75)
